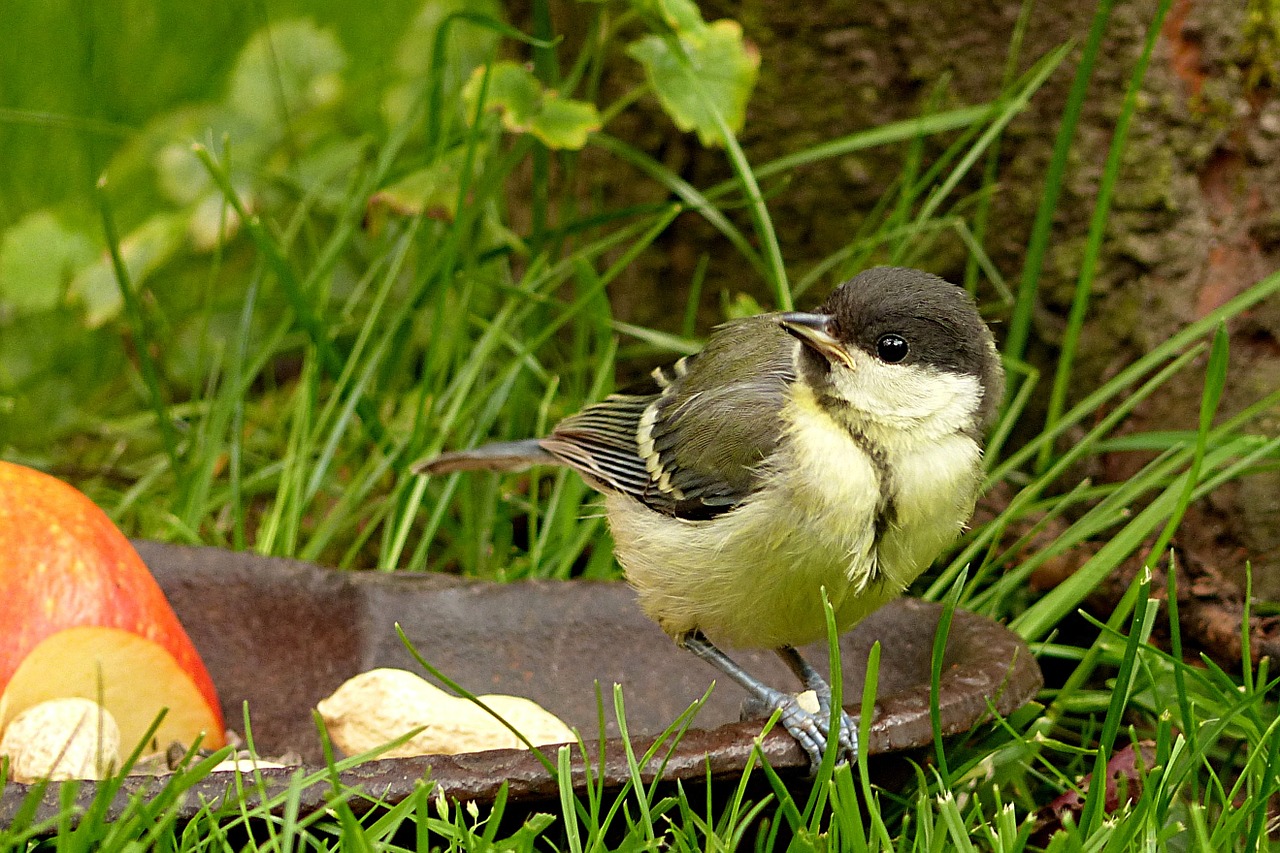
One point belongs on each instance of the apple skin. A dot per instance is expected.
(64, 565)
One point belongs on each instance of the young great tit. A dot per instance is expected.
(837, 450)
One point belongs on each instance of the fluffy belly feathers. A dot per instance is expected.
(753, 577)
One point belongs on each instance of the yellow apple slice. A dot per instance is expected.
(80, 615)
(129, 675)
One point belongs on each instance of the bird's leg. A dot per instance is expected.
(806, 727)
(814, 681)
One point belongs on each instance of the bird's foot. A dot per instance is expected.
(812, 679)
(809, 727)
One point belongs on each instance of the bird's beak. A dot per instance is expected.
(815, 332)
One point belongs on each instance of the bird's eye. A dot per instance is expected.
(891, 348)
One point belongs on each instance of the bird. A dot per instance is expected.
(836, 451)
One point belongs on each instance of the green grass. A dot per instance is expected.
(277, 384)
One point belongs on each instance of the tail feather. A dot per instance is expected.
(500, 456)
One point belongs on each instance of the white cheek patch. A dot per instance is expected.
(925, 400)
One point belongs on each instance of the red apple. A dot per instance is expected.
(80, 615)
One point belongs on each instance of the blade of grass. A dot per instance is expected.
(1214, 383)
(1187, 720)
(775, 269)
(143, 334)
(940, 637)
(686, 192)
(1132, 374)
(1019, 328)
(1097, 232)
(870, 689)
(1050, 609)
(885, 134)
(1035, 78)
(991, 171)
(1139, 632)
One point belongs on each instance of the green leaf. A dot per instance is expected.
(156, 169)
(431, 191)
(322, 170)
(712, 73)
(144, 250)
(468, 46)
(681, 15)
(564, 123)
(495, 236)
(525, 106)
(52, 375)
(180, 175)
(513, 92)
(291, 67)
(213, 221)
(38, 257)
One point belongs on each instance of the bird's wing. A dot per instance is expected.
(691, 440)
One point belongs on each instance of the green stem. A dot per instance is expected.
(141, 333)
(1097, 232)
(1020, 322)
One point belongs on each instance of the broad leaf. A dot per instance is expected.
(513, 92)
(289, 68)
(564, 123)
(526, 107)
(715, 75)
(180, 174)
(38, 257)
(682, 16)
(213, 221)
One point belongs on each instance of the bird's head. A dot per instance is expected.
(900, 351)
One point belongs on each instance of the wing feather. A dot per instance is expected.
(691, 441)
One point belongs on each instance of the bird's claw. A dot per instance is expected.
(810, 728)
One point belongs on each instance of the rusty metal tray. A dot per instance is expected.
(281, 635)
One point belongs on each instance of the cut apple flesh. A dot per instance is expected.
(132, 677)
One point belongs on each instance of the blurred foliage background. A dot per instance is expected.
(216, 221)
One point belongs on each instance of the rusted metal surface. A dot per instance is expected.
(281, 635)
